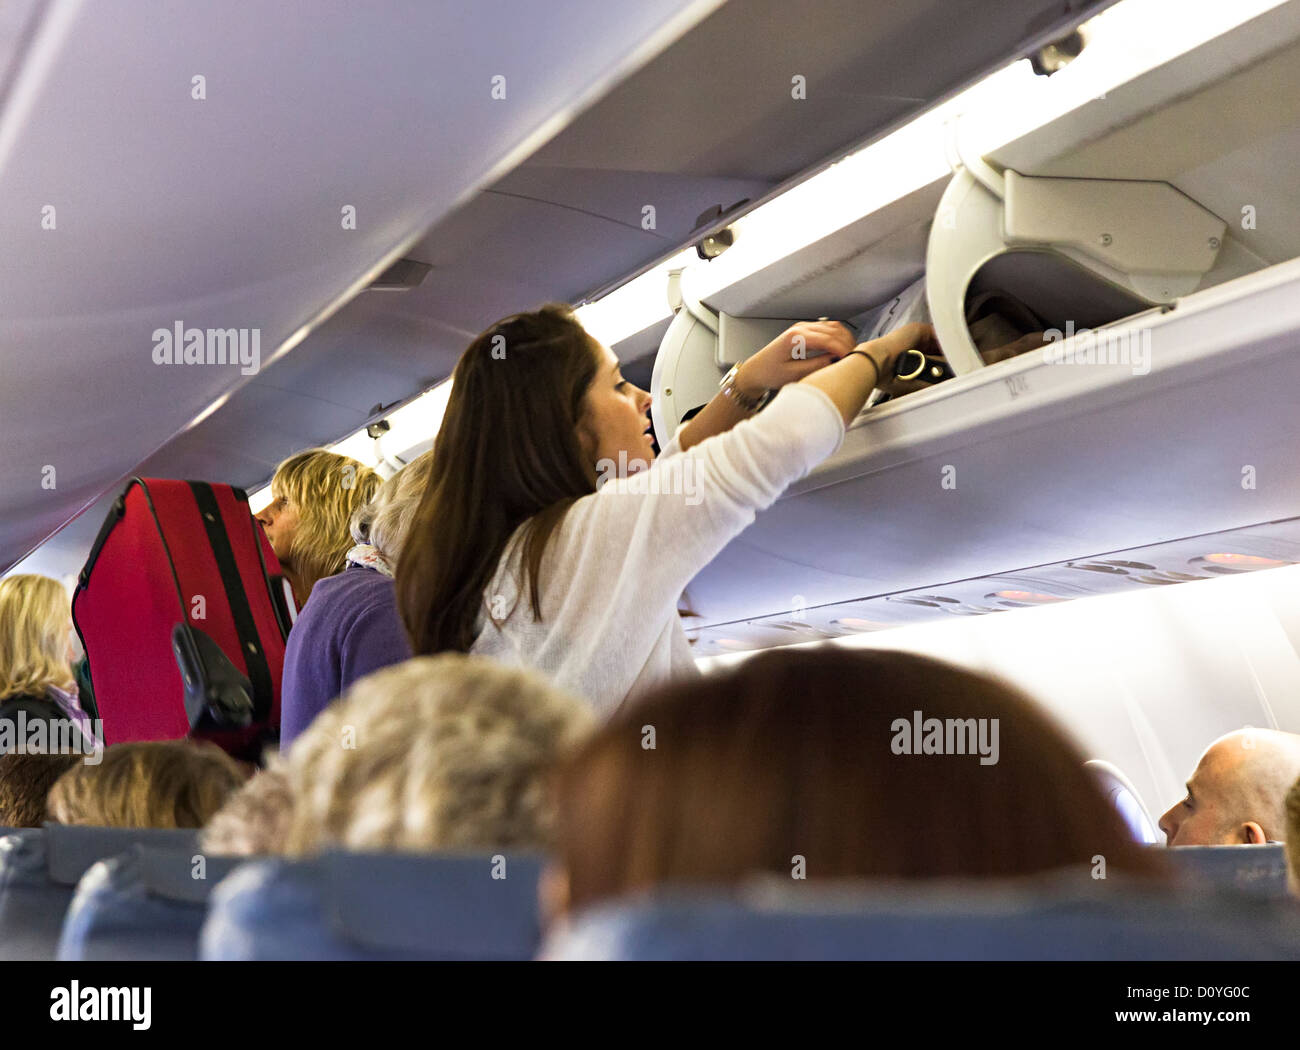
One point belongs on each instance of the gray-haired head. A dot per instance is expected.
(386, 519)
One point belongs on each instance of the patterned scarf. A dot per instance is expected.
(368, 555)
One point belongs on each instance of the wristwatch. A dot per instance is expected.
(730, 389)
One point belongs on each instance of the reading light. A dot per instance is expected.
(1228, 562)
(855, 624)
(1029, 597)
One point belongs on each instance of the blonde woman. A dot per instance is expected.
(313, 497)
(36, 656)
(154, 784)
(351, 628)
(447, 752)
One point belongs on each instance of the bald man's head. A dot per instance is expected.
(1237, 792)
(1293, 838)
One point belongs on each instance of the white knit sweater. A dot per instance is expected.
(616, 566)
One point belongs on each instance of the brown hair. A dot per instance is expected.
(25, 780)
(507, 453)
(155, 784)
(793, 754)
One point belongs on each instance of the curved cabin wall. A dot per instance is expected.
(1145, 680)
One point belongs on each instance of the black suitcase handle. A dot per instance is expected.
(216, 692)
(114, 515)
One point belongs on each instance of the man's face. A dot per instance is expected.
(1204, 817)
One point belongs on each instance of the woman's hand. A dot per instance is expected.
(886, 351)
(849, 382)
(798, 351)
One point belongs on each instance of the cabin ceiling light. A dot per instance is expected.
(634, 306)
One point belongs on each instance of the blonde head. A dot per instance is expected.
(326, 489)
(386, 519)
(35, 627)
(154, 784)
(255, 819)
(439, 752)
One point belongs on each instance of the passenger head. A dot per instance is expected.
(25, 781)
(313, 497)
(385, 521)
(810, 759)
(156, 784)
(35, 636)
(1293, 838)
(254, 820)
(536, 404)
(1235, 794)
(442, 752)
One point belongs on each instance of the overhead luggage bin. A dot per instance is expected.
(1169, 318)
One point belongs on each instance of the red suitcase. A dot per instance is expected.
(183, 615)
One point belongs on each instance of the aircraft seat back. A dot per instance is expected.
(146, 904)
(952, 924)
(1121, 794)
(1257, 870)
(39, 870)
(362, 906)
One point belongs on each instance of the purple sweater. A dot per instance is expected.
(348, 628)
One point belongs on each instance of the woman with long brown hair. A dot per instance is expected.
(813, 757)
(516, 555)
